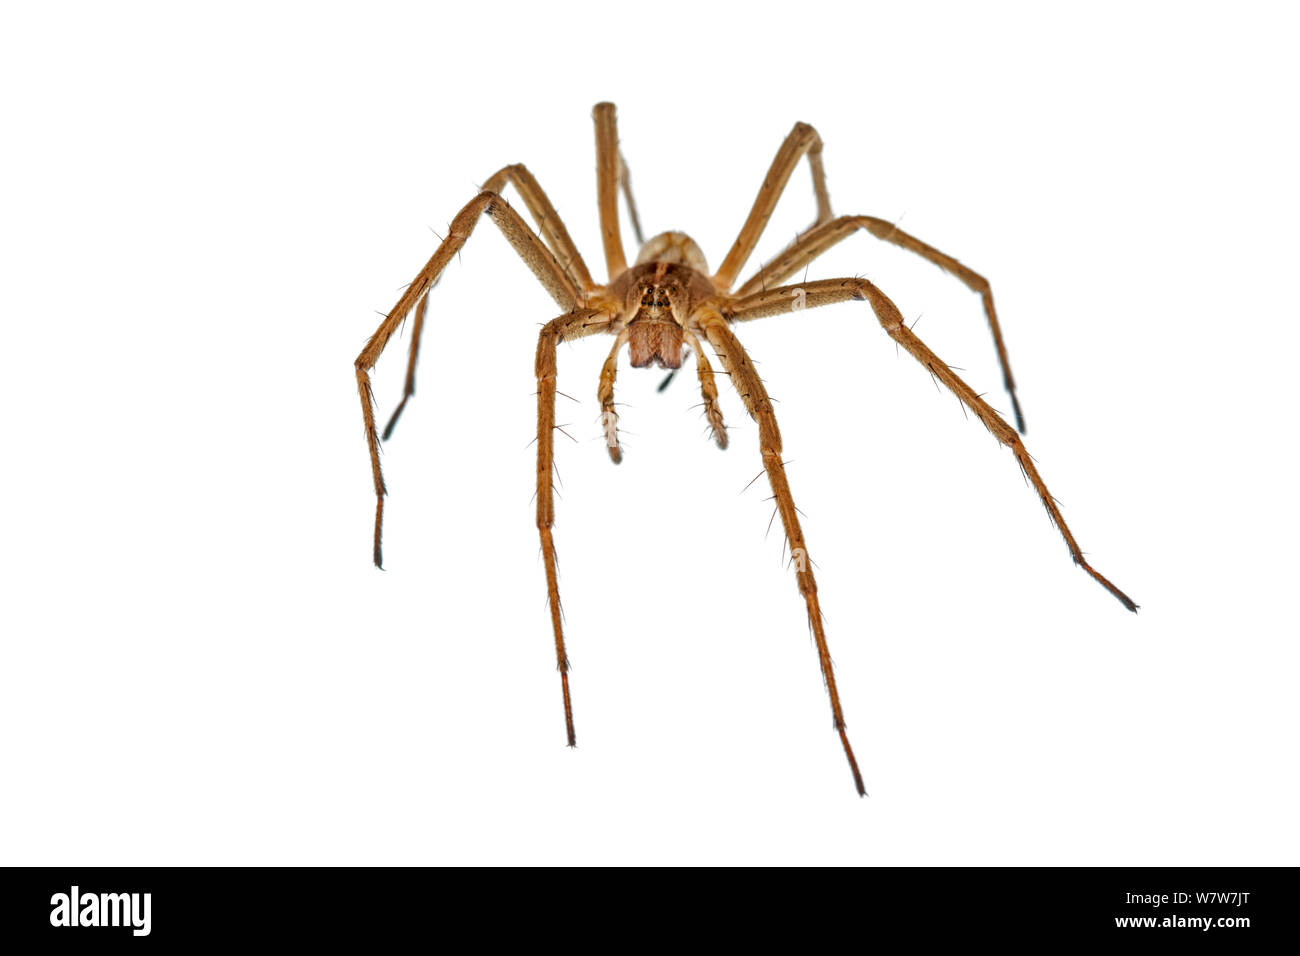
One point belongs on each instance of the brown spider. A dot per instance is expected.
(668, 299)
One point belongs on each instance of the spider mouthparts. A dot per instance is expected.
(658, 343)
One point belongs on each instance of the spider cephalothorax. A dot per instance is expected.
(668, 300)
(658, 297)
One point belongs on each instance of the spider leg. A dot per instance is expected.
(571, 326)
(828, 291)
(803, 139)
(549, 226)
(625, 177)
(409, 389)
(530, 248)
(605, 395)
(609, 170)
(709, 389)
(816, 241)
(745, 378)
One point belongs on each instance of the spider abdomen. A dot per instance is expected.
(676, 248)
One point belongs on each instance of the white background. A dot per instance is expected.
(205, 212)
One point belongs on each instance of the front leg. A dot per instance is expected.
(802, 140)
(530, 248)
(735, 361)
(816, 241)
(566, 327)
(810, 295)
(549, 226)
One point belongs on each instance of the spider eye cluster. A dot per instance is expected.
(655, 297)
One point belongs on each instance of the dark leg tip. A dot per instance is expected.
(1123, 598)
(1020, 416)
(1120, 596)
(392, 422)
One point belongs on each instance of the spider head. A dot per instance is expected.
(658, 293)
(657, 304)
(660, 301)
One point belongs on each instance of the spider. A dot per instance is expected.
(661, 308)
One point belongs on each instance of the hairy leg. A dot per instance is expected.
(816, 241)
(745, 378)
(708, 389)
(803, 139)
(605, 395)
(530, 248)
(571, 326)
(609, 166)
(549, 226)
(828, 291)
